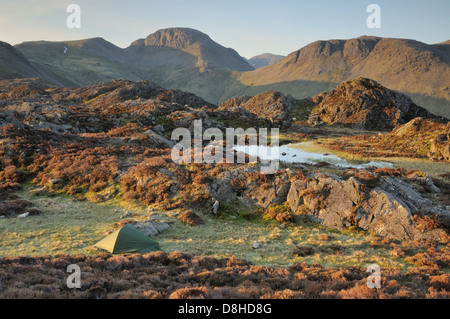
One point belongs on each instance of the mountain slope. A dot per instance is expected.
(13, 64)
(206, 52)
(176, 58)
(84, 62)
(414, 68)
(187, 59)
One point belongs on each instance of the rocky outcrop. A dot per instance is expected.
(385, 215)
(391, 207)
(425, 137)
(387, 210)
(271, 105)
(365, 104)
(221, 189)
(327, 199)
(440, 146)
(100, 107)
(151, 228)
(271, 192)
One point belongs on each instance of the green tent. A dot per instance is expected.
(128, 240)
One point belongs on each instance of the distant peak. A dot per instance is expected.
(176, 38)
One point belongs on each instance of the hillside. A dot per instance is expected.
(13, 64)
(176, 58)
(417, 69)
(85, 62)
(187, 59)
(200, 47)
(78, 164)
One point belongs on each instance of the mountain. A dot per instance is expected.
(176, 58)
(411, 67)
(81, 62)
(189, 60)
(13, 64)
(205, 52)
(265, 59)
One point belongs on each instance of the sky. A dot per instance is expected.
(251, 27)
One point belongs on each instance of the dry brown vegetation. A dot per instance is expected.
(175, 275)
(412, 140)
(189, 217)
(109, 156)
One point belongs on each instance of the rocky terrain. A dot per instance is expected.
(46, 122)
(416, 69)
(111, 143)
(276, 106)
(419, 138)
(365, 104)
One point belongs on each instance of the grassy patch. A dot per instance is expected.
(65, 226)
(69, 226)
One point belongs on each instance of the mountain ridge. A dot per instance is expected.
(197, 44)
(409, 66)
(187, 59)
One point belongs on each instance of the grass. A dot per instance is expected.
(228, 238)
(316, 147)
(430, 167)
(72, 227)
(65, 226)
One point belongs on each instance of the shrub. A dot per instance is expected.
(441, 282)
(359, 291)
(16, 207)
(303, 251)
(130, 196)
(285, 217)
(325, 237)
(189, 217)
(98, 187)
(190, 293)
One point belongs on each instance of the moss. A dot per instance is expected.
(236, 210)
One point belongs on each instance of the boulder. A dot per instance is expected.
(160, 140)
(160, 226)
(387, 210)
(412, 198)
(256, 245)
(384, 214)
(388, 216)
(221, 189)
(330, 200)
(274, 192)
(151, 228)
(440, 147)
